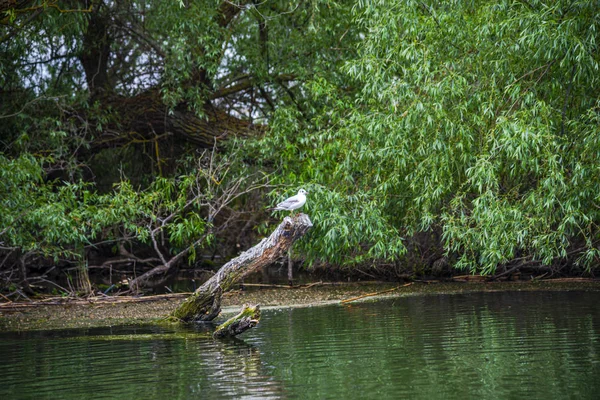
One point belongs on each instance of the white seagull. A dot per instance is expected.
(293, 202)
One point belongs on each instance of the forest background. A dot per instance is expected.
(433, 137)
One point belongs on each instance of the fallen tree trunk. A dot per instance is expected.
(205, 303)
(246, 319)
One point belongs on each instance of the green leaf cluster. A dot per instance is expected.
(60, 219)
(477, 120)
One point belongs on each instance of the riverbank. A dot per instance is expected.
(56, 313)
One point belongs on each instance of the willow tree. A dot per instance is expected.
(465, 132)
(427, 133)
(106, 110)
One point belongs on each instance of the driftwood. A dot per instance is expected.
(205, 303)
(246, 319)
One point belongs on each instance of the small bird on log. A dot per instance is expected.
(293, 202)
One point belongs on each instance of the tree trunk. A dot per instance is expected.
(290, 266)
(205, 303)
(23, 270)
(95, 51)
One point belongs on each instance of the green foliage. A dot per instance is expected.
(476, 119)
(58, 219)
(476, 122)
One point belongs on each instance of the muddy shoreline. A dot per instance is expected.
(112, 311)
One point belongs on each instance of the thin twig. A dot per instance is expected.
(374, 294)
(6, 298)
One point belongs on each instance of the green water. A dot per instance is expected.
(480, 346)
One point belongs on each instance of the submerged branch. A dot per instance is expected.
(247, 318)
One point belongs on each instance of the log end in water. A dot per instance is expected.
(247, 318)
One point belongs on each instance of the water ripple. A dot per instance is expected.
(511, 345)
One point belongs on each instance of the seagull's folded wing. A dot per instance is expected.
(288, 203)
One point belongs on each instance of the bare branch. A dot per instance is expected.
(248, 83)
(155, 245)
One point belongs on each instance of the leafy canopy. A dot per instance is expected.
(457, 128)
(477, 120)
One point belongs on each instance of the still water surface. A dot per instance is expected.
(510, 345)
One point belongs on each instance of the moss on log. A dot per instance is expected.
(205, 303)
(247, 318)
